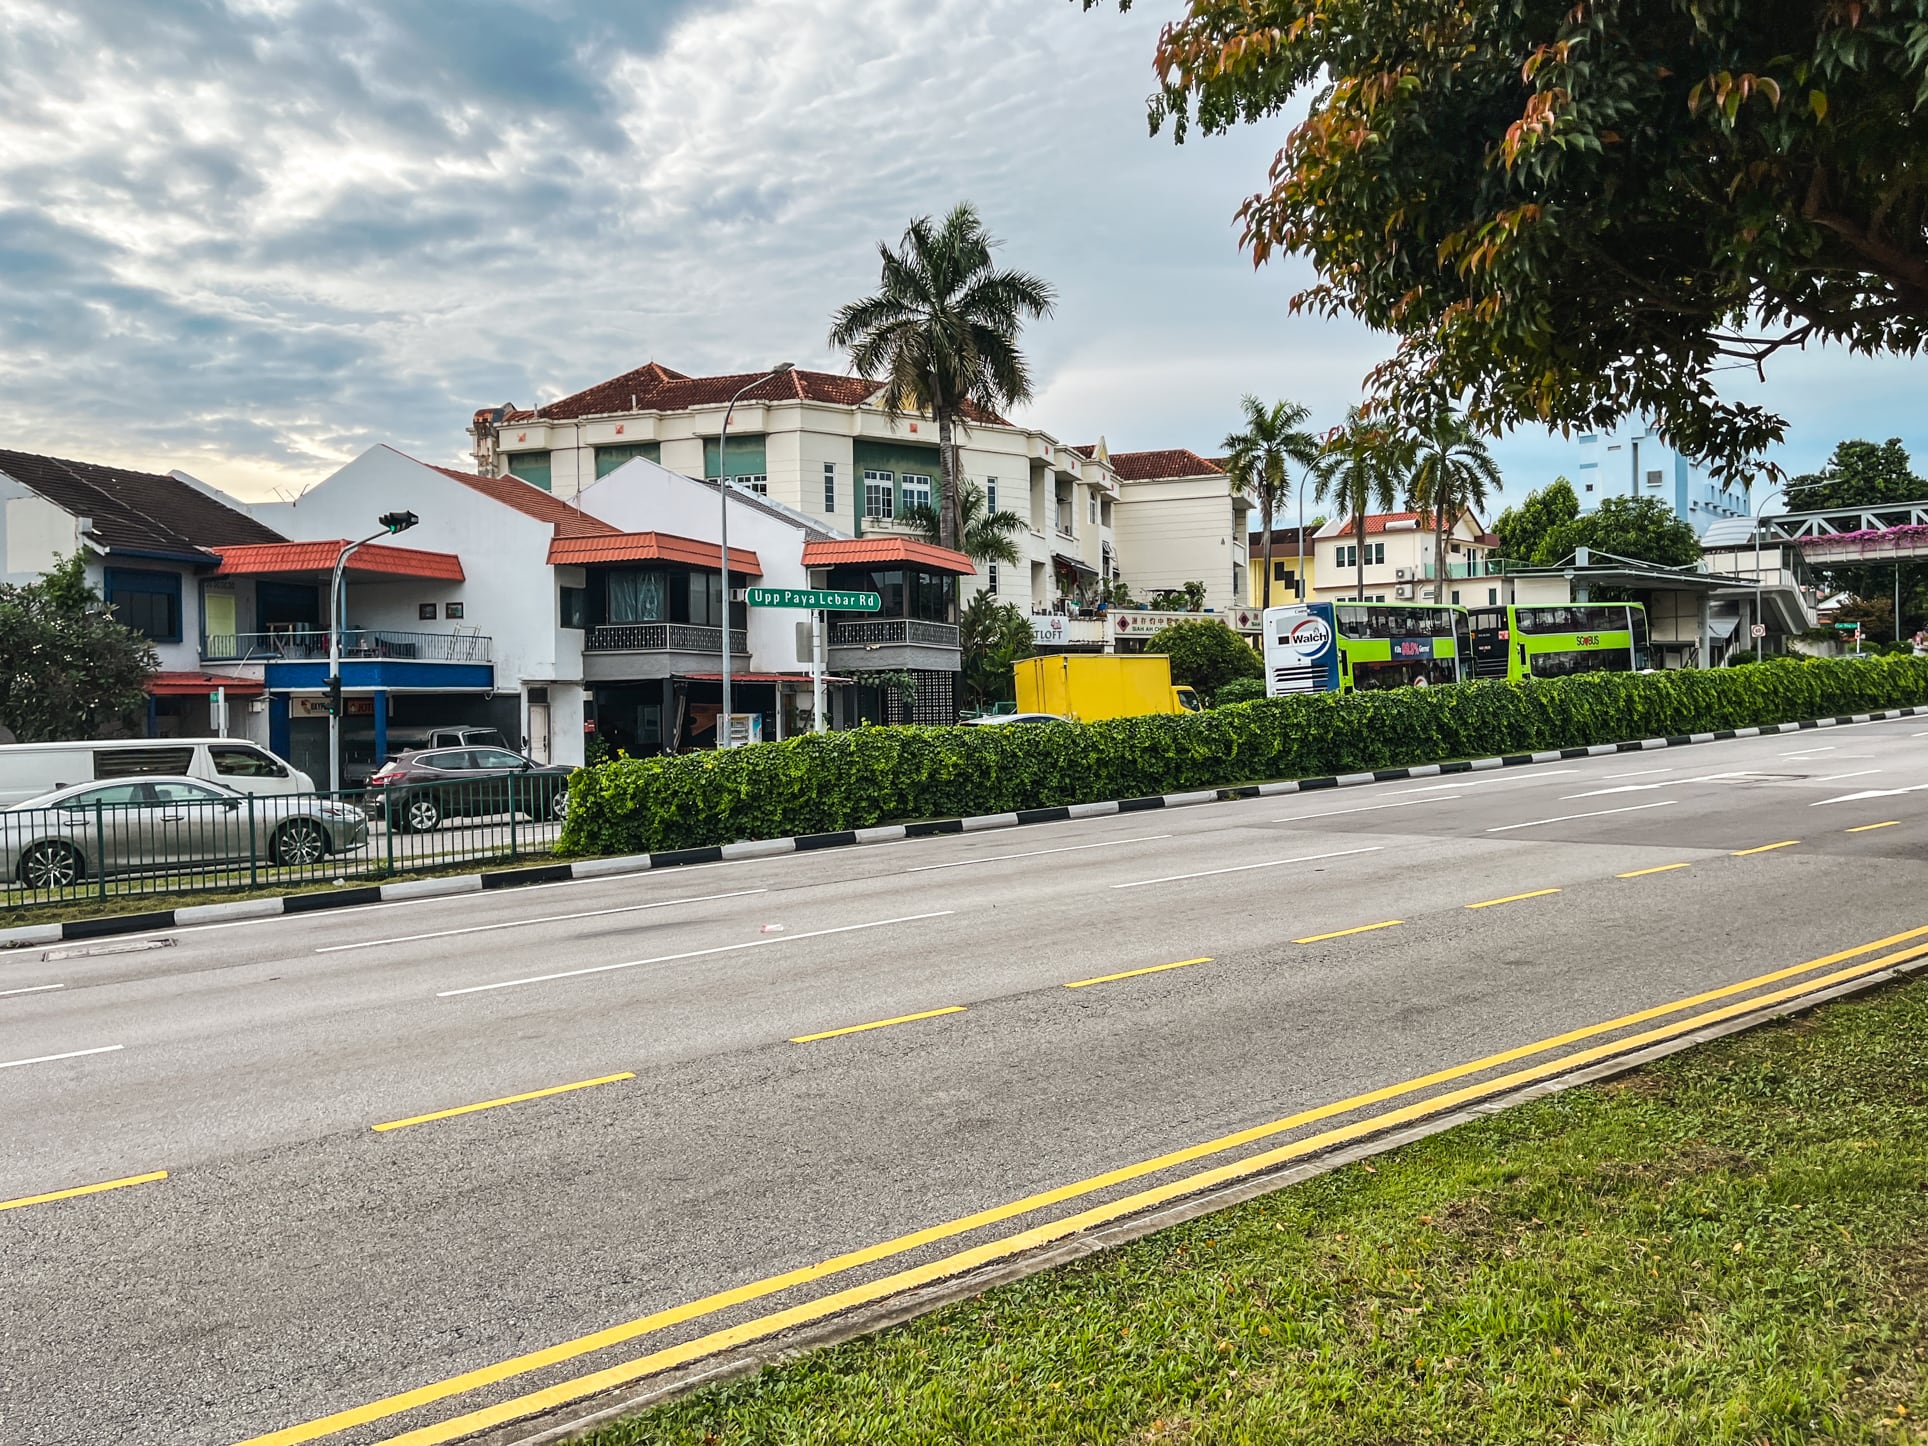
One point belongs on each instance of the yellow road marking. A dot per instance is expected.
(1866, 826)
(581, 1084)
(1657, 869)
(1134, 973)
(869, 1255)
(1514, 898)
(1786, 843)
(1341, 933)
(879, 1024)
(762, 1327)
(120, 1184)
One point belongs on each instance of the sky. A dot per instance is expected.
(251, 238)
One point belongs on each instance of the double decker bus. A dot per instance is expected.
(1342, 647)
(1554, 640)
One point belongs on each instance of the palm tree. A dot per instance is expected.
(942, 334)
(1359, 468)
(1451, 475)
(987, 536)
(1257, 458)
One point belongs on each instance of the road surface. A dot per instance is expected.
(336, 1224)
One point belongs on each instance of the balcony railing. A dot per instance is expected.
(1474, 567)
(884, 631)
(308, 645)
(664, 638)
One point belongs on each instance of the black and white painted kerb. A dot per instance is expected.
(146, 923)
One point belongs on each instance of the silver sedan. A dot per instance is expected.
(166, 824)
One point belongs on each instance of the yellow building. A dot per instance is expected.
(1286, 567)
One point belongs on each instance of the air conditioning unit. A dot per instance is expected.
(1406, 574)
(1403, 592)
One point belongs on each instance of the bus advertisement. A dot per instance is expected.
(1326, 647)
(1555, 641)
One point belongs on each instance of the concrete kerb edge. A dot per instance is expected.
(868, 1320)
(31, 935)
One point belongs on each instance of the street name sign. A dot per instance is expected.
(813, 598)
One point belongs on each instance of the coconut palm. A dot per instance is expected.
(942, 334)
(986, 536)
(1360, 467)
(1258, 459)
(1452, 474)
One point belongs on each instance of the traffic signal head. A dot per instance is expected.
(398, 521)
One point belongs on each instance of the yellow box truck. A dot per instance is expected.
(1091, 686)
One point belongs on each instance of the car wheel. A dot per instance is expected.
(421, 815)
(559, 805)
(51, 865)
(298, 843)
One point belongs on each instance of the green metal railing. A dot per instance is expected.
(149, 838)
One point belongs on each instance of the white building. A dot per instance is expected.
(1180, 519)
(1400, 561)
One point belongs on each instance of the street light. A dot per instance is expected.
(392, 523)
(1759, 600)
(723, 530)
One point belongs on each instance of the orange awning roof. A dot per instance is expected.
(375, 559)
(901, 551)
(201, 685)
(648, 547)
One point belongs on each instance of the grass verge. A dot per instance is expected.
(1730, 1246)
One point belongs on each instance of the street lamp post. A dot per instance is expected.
(723, 532)
(1758, 512)
(392, 523)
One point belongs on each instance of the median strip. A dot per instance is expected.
(877, 1024)
(1512, 899)
(78, 1190)
(541, 1094)
(1341, 933)
(1133, 973)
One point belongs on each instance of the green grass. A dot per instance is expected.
(1728, 1247)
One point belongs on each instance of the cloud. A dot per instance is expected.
(251, 237)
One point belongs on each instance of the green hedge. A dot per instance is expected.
(869, 776)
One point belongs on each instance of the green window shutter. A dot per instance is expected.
(608, 459)
(531, 467)
(747, 457)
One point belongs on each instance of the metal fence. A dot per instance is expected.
(172, 837)
(310, 644)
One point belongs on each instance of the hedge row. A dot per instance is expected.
(832, 781)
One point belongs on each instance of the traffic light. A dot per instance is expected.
(334, 696)
(398, 521)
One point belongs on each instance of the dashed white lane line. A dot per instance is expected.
(50, 1058)
(1837, 777)
(1569, 817)
(1035, 853)
(1623, 788)
(1246, 868)
(1363, 808)
(1638, 773)
(539, 919)
(692, 954)
(31, 989)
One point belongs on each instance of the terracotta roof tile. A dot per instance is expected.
(655, 388)
(1171, 462)
(532, 501)
(851, 551)
(374, 559)
(649, 547)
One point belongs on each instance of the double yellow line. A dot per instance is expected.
(762, 1327)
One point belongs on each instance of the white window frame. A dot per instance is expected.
(830, 488)
(914, 489)
(990, 494)
(880, 485)
(991, 578)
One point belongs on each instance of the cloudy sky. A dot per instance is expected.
(249, 238)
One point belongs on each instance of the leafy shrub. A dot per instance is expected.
(830, 781)
(1238, 690)
(1206, 655)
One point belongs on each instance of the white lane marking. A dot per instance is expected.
(1623, 788)
(33, 989)
(692, 954)
(1363, 808)
(542, 919)
(1810, 752)
(49, 1058)
(1869, 793)
(1638, 773)
(1837, 777)
(1244, 868)
(1569, 817)
(997, 858)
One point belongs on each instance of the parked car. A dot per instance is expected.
(157, 824)
(28, 770)
(416, 791)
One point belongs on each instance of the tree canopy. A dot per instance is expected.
(1859, 474)
(993, 636)
(1569, 211)
(1642, 528)
(983, 536)
(67, 669)
(1520, 529)
(1260, 459)
(1206, 655)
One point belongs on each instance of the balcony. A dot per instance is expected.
(615, 652)
(891, 643)
(295, 660)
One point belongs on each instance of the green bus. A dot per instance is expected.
(1555, 640)
(1344, 647)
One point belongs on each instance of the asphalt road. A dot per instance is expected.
(297, 1260)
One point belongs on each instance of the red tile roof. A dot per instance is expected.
(532, 501)
(655, 388)
(648, 547)
(1378, 522)
(1172, 462)
(851, 551)
(374, 559)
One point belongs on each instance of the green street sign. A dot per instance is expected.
(814, 599)
(1849, 627)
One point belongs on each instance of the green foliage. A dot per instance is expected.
(993, 635)
(1859, 474)
(1453, 474)
(1258, 457)
(1362, 469)
(1521, 529)
(987, 536)
(1206, 655)
(1238, 690)
(1189, 598)
(1642, 528)
(67, 669)
(830, 781)
(941, 333)
(1580, 212)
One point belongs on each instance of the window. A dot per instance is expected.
(747, 468)
(1492, 596)
(1378, 557)
(1578, 618)
(575, 607)
(758, 483)
(1455, 594)
(608, 459)
(147, 602)
(494, 758)
(425, 612)
(238, 762)
(990, 494)
(1094, 510)
(990, 578)
(531, 467)
(169, 791)
(1653, 479)
(119, 795)
(453, 610)
(830, 488)
(122, 762)
(916, 490)
(879, 494)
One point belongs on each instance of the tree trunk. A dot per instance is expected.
(1439, 552)
(947, 503)
(1265, 520)
(1359, 532)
